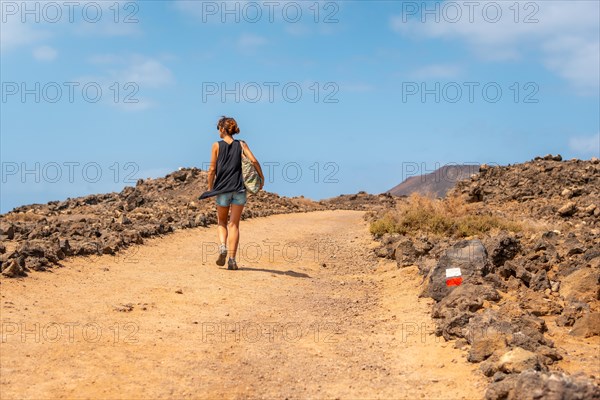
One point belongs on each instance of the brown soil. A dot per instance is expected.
(163, 321)
(580, 355)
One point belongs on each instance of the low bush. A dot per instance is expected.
(446, 217)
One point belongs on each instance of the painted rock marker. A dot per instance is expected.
(453, 277)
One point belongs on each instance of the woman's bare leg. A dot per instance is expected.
(222, 213)
(234, 229)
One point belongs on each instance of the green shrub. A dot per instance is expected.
(387, 224)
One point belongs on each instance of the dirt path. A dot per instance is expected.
(311, 314)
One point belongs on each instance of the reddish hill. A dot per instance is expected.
(436, 183)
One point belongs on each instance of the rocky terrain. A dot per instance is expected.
(518, 286)
(547, 187)
(436, 183)
(39, 236)
(524, 293)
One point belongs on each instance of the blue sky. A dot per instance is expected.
(355, 97)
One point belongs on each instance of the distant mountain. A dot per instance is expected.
(436, 183)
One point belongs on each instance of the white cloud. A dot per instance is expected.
(298, 30)
(250, 12)
(103, 59)
(116, 18)
(142, 104)
(63, 19)
(577, 61)
(437, 71)
(107, 27)
(45, 53)
(14, 34)
(146, 73)
(134, 74)
(250, 41)
(586, 145)
(564, 39)
(194, 8)
(304, 30)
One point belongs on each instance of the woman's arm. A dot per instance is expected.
(212, 169)
(254, 161)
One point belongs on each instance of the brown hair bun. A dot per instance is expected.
(229, 125)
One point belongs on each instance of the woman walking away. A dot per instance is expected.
(225, 181)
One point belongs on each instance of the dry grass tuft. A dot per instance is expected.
(446, 217)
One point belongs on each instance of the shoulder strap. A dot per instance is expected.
(242, 148)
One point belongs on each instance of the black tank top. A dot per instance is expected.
(229, 170)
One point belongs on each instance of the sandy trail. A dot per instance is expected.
(310, 314)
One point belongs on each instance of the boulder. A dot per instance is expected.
(535, 385)
(36, 263)
(454, 327)
(538, 304)
(13, 268)
(180, 176)
(131, 237)
(587, 326)
(467, 297)
(523, 274)
(540, 281)
(568, 193)
(550, 157)
(32, 249)
(85, 248)
(508, 269)
(201, 220)
(503, 248)
(484, 324)
(582, 285)
(7, 231)
(567, 209)
(405, 254)
(518, 360)
(65, 246)
(469, 256)
(485, 345)
(572, 312)
(388, 246)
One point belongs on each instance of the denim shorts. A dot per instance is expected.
(235, 198)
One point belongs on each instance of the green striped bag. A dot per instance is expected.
(252, 179)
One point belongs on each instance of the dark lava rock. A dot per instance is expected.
(7, 231)
(572, 312)
(65, 246)
(503, 248)
(468, 255)
(567, 209)
(540, 281)
(535, 385)
(467, 297)
(409, 251)
(14, 267)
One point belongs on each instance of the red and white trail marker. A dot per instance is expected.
(453, 277)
